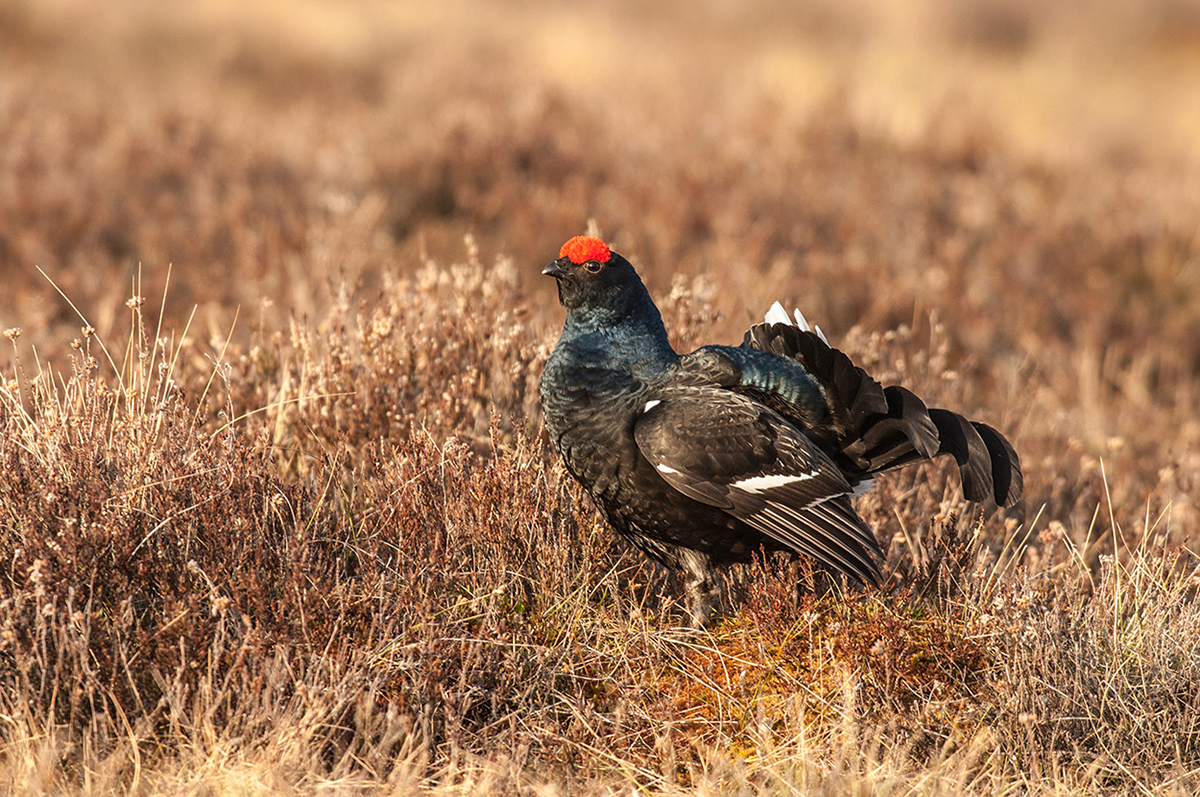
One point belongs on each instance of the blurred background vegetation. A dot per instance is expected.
(262, 146)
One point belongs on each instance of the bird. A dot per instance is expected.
(703, 459)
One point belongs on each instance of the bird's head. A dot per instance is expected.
(592, 277)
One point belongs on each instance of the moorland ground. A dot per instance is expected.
(276, 510)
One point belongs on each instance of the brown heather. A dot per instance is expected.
(276, 510)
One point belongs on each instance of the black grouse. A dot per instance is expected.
(701, 459)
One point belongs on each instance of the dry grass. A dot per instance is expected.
(318, 544)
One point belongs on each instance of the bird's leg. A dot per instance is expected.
(700, 585)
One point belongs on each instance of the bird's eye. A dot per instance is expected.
(593, 266)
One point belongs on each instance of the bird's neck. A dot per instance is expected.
(628, 328)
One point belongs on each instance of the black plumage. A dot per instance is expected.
(702, 459)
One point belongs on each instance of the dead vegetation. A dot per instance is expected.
(318, 543)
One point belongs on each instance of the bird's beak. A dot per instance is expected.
(555, 270)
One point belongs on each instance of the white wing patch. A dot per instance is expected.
(863, 487)
(651, 405)
(665, 468)
(757, 484)
(777, 315)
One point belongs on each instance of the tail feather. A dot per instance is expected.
(904, 435)
(853, 395)
(881, 428)
(906, 406)
(1009, 483)
(960, 439)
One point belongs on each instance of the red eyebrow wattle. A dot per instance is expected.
(583, 248)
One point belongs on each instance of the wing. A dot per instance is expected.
(731, 452)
